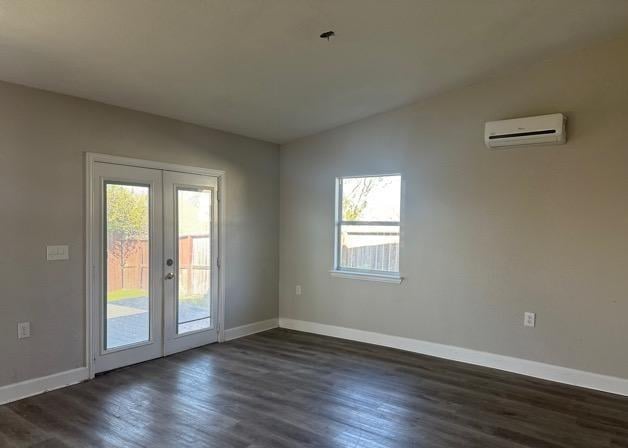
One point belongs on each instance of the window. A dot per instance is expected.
(368, 213)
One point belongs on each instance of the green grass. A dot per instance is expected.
(120, 294)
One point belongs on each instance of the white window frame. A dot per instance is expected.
(363, 274)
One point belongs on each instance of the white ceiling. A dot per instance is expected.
(258, 67)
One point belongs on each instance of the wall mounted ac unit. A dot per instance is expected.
(541, 130)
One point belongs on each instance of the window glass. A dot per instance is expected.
(194, 260)
(367, 235)
(127, 271)
(371, 198)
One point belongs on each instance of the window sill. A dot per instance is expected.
(367, 276)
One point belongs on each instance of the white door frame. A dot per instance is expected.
(90, 159)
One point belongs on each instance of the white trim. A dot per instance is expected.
(118, 160)
(535, 369)
(89, 268)
(36, 386)
(255, 327)
(366, 276)
(90, 159)
(222, 253)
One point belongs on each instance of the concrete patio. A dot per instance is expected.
(128, 320)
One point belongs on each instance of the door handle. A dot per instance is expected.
(169, 275)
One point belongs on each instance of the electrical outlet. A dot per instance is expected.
(529, 319)
(23, 330)
(298, 290)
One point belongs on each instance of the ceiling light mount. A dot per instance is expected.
(327, 35)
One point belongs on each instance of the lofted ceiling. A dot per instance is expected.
(258, 67)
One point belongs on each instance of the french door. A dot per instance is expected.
(154, 260)
(190, 249)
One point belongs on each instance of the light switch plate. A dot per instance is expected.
(23, 330)
(57, 253)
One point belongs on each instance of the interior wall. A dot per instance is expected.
(487, 234)
(43, 137)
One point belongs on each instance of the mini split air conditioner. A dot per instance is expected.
(541, 130)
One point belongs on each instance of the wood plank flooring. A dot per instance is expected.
(283, 388)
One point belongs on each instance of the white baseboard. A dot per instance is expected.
(28, 388)
(255, 327)
(535, 369)
(36, 386)
(589, 380)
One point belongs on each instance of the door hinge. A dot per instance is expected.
(218, 262)
(218, 195)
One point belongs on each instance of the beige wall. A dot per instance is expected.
(42, 140)
(487, 234)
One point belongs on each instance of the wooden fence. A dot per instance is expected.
(194, 267)
(380, 257)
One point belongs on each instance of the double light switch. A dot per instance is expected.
(57, 253)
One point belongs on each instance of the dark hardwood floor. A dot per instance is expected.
(288, 389)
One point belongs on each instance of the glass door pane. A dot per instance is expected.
(126, 264)
(194, 256)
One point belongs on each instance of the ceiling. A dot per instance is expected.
(258, 67)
